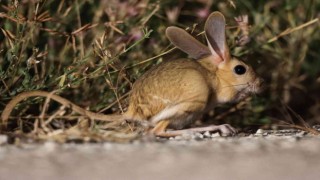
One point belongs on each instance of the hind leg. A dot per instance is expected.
(182, 115)
(224, 130)
(176, 117)
(160, 129)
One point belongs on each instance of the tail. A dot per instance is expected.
(20, 97)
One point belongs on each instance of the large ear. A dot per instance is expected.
(216, 36)
(188, 44)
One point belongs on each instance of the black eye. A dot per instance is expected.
(239, 69)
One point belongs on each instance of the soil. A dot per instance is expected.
(286, 154)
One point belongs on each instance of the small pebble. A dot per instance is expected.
(259, 132)
(214, 135)
(178, 138)
(198, 136)
(300, 134)
(3, 139)
(49, 146)
(316, 127)
(207, 134)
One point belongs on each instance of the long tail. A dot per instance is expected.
(20, 97)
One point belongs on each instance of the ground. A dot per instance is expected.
(284, 155)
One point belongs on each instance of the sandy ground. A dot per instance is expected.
(262, 157)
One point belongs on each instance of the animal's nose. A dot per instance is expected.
(261, 84)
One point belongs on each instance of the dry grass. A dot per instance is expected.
(91, 52)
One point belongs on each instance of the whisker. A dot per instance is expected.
(234, 85)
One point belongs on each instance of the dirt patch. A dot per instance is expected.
(265, 156)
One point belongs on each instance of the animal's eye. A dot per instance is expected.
(240, 69)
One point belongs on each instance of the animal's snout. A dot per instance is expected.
(259, 85)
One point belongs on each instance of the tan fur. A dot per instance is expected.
(179, 83)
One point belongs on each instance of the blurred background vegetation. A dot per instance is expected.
(92, 52)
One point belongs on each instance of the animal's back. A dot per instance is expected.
(168, 84)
